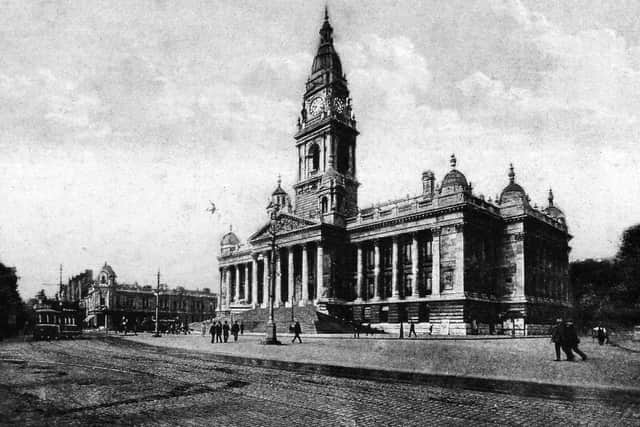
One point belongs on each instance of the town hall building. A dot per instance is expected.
(446, 259)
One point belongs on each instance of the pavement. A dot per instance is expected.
(100, 380)
(524, 366)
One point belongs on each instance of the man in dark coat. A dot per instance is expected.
(556, 337)
(225, 331)
(234, 330)
(218, 332)
(212, 331)
(297, 330)
(570, 341)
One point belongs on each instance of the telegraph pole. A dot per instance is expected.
(157, 292)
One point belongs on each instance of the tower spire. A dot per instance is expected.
(512, 174)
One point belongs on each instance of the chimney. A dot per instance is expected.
(428, 184)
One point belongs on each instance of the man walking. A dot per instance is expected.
(570, 341)
(234, 330)
(556, 337)
(212, 331)
(225, 331)
(297, 330)
(218, 332)
(412, 330)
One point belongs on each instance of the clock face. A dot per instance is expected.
(316, 106)
(338, 104)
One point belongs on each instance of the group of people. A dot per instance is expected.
(220, 331)
(565, 337)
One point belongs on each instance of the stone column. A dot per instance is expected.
(246, 283)
(265, 279)
(359, 273)
(237, 283)
(220, 285)
(278, 295)
(290, 275)
(305, 276)
(415, 267)
(435, 262)
(227, 285)
(254, 281)
(376, 269)
(395, 283)
(458, 285)
(320, 273)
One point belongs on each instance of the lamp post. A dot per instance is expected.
(157, 293)
(271, 337)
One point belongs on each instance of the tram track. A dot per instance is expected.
(184, 378)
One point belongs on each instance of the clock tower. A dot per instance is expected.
(326, 188)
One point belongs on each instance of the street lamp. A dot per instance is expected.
(157, 294)
(273, 209)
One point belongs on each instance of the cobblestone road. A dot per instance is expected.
(111, 381)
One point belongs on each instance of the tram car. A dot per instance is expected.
(57, 320)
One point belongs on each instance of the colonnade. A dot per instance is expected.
(243, 285)
(396, 268)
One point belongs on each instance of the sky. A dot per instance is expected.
(120, 120)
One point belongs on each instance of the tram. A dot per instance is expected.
(57, 320)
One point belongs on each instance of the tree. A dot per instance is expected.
(11, 305)
(628, 263)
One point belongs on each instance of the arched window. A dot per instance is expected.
(325, 205)
(314, 158)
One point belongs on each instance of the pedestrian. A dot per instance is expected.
(297, 330)
(556, 337)
(124, 325)
(212, 331)
(601, 333)
(218, 331)
(356, 330)
(204, 330)
(225, 331)
(412, 329)
(241, 327)
(570, 341)
(234, 330)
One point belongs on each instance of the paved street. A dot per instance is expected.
(113, 381)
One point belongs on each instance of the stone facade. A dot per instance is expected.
(447, 258)
(107, 302)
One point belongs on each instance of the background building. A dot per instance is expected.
(106, 301)
(446, 258)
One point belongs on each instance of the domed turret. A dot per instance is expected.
(552, 210)
(229, 243)
(454, 181)
(281, 198)
(513, 192)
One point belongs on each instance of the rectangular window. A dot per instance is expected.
(407, 280)
(406, 253)
(370, 287)
(370, 258)
(387, 256)
(447, 280)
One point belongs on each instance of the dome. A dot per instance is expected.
(513, 191)
(552, 210)
(279, 191)
(107, 269)
(454, 178)
(230, 239)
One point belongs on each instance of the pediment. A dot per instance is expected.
(284, 223)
